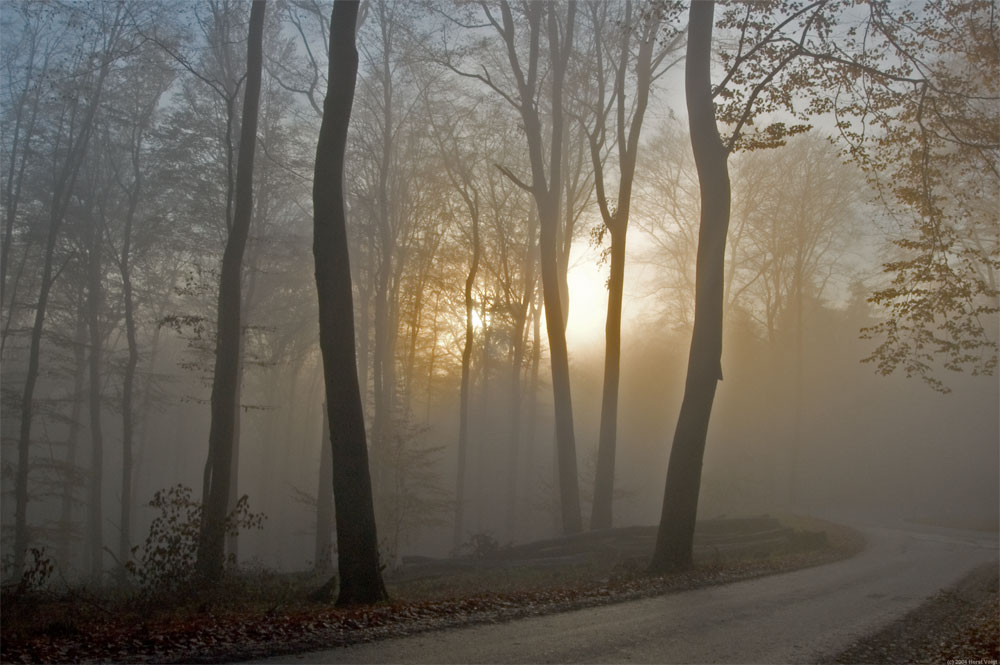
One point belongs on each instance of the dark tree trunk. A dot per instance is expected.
(64, 550)
(463, 413)
(95, 522)
(233, 537)
(357, 539)
(604, 478)
(675, 538)
(549, 218)
(569, 491)
(128, 383)
(323, 556)
(519, 335)
(211, 545)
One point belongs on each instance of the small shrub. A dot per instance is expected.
(166, 560)
(35, 576)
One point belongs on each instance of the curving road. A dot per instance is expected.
(797, 617)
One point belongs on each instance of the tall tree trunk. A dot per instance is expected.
(569, 490)
(463, 409)
(211, 544)
(233, 537)
(95, 523)
(383, 357)
(62, 191)
(128, 383)
(798, 388)
(536, 357)
(323, 556)
(675, 538)
(617, 224)
(604, 478)
(232, 551)
(548, 199)
(364, 363)
(515, 397)
(64, 553)
(147, 402)
(357, 538)
(547, 192)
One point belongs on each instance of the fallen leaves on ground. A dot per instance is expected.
(213, 637)
(960, 625)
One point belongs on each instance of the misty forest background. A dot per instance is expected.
(120, 139)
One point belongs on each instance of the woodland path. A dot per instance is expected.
(797, 617)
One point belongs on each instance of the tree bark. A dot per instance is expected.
(546, 188)
(675, 538)
(519, 340)
(357, 538)
(211, 545)
(128, 383)
(616, 222)
(95, 522)
(323, 557)
(384, 353)
(62, 191)
(463, 414)
(604, 477)
(64, 549)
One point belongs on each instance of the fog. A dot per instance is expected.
(117, 204)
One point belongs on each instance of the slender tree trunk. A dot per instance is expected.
(95, 537)
(211, 545)
(323, 557)
(64, 541)
(798, 387)
(385, 333)
(232, 548)
(431, 364)
(485, 424)
(357, 538)
(15, 174)
(146, 405)
(519, 336)
(555, 325)
(233, 537)
(531, 434)
(604, 479)
(363, 342)
(616, 223)
(128, 383)
(675, 538)
(60, 201)
(463, 412)
(569, 490)
(547, 192)
(514, 411)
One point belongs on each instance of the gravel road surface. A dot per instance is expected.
(800, 617)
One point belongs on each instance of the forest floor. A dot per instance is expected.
(959, 626)
(259, 613)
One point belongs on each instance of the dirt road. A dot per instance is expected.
(797, 617)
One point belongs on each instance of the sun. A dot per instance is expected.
(478, 320)
(588, 300)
